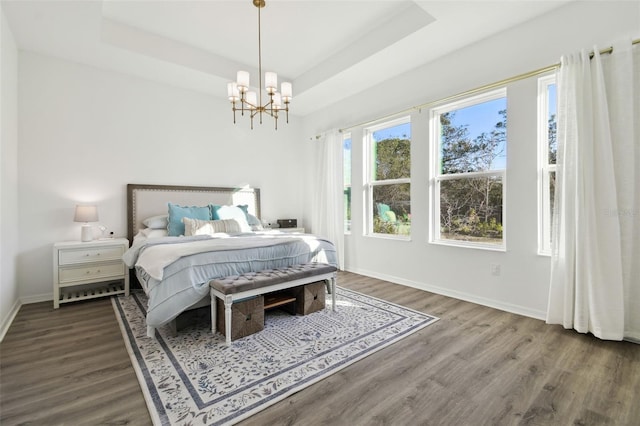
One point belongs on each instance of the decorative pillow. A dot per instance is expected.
(210, 227)
(176, 213)
(156, 222)
(230, 212)
(253, 221)
(154, 233)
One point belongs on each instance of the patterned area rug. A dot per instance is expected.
(193, 378)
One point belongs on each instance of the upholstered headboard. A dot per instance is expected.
(144, 201)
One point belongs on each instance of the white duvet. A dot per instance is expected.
(175, 271)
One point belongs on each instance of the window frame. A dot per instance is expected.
(347, 224)
(369, 181)
(544, 167)
(435, 177)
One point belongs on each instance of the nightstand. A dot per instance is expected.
(88, 270)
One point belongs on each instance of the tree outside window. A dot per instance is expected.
(470, 148)
(389, 177)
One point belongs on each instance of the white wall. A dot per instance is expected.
(462, 272)
(85, 133)
(9, 301)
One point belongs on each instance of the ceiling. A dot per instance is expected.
(328, 49)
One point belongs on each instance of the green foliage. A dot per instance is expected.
(400, 227)
(471, 206)
(383, 227)
(553, 143)
(393, 159)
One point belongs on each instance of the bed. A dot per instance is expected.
(174, 269)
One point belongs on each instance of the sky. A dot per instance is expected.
(482, 118)
(479, 118)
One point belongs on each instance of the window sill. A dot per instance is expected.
(388, 237)
(469, 245)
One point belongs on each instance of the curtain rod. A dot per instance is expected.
(472, 91)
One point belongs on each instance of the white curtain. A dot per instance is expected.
(327, 217)
(595, 264)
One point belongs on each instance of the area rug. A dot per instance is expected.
(193, 378)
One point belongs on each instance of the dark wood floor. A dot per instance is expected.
(476, 366)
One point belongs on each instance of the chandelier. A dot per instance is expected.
(244, 100)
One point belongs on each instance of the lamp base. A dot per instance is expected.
(86, 233)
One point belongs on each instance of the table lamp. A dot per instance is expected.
(86, 214)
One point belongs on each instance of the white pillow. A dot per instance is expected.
(154, 233)
(156, 222)
(210, 227)
(233, 212)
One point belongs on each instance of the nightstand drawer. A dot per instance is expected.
(88, 255)
(70, 274)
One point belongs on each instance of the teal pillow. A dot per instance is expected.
(176, 213)
(237, 213)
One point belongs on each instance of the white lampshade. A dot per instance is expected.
(232, 91)
(86, 214)
(243, 80)
(277, 101)
(287, 91)
(271, 81)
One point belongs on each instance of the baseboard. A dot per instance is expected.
(633, 339)
(45, 297)
(8, 320)
(491, 303)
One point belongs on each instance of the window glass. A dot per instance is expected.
(471, 209)
(389, 178)
(551, 120)
(548, 149)
(346, 173)
(470, 141)
(392, 209)
(474, 138)
(392, 152)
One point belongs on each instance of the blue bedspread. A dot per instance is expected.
(185, 276)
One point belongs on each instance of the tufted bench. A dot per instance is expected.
(237, 287)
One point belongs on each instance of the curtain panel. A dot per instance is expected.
(327, 204)
(595, 267)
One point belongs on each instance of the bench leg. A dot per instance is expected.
(214, 313)
(227, 316)
(333, 292)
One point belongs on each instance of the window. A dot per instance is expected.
(388, 178)
(346, 173)
(468, 148)
(548, 149)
